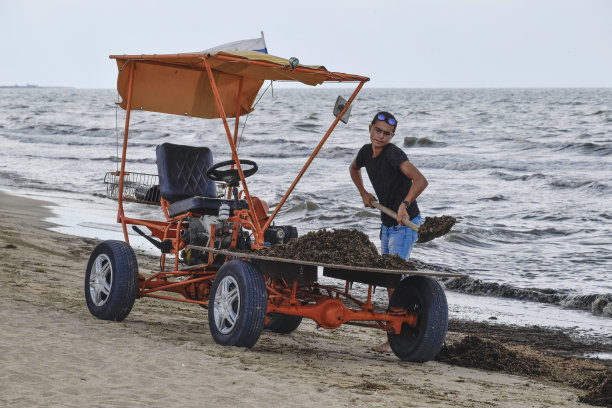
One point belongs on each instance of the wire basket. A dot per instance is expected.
(137, 187)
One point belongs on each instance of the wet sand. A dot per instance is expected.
(54, 353)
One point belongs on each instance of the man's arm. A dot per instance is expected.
(419, 183)
(358, 181)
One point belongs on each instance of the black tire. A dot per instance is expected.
(238, 304)
(425, 296)
(281, 323)
(111, 280)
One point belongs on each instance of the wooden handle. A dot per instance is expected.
(393, 214)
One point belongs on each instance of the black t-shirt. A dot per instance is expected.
(390, 184)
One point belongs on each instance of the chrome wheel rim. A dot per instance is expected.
(100, 280)
(227, 305)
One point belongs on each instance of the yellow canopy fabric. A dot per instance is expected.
(179, 84)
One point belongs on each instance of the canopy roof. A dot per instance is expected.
(179, 83)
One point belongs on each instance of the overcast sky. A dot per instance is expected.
(397, 43)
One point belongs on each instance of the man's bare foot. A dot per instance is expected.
(383, 348)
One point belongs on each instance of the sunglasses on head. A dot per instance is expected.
(383, 117)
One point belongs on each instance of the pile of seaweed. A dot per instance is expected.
(599, 389)
(434, 227)
(339, 247)
(474, 352)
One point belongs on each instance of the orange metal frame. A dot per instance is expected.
(323, 305)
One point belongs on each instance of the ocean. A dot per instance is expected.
(526, 172)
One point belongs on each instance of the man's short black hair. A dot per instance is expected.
(385, 117)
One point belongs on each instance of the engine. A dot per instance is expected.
(198, 232)
(280, 235)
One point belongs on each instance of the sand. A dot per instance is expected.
(54, 353)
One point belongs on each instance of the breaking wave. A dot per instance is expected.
(588, 148)
(597, 304)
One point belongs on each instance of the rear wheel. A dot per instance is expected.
(424, 296)
(238, 304)
(111, 280)
(281, 323)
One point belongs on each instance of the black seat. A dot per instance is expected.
(183, 182)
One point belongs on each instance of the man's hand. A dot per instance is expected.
(367, 199)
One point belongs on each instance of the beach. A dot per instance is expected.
(54, 353)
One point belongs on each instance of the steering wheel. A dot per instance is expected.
(230, 176)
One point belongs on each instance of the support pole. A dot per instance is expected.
(120, 213)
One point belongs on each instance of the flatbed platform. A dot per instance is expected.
(307, 270)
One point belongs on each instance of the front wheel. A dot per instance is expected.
(424, 296)
(238, 304)
(111, 280)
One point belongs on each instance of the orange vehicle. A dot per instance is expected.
(211, 217)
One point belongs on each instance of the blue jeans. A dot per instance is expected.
(399, 239)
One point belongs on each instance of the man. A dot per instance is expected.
(397, 184)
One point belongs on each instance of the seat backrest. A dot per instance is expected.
(182, 170)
